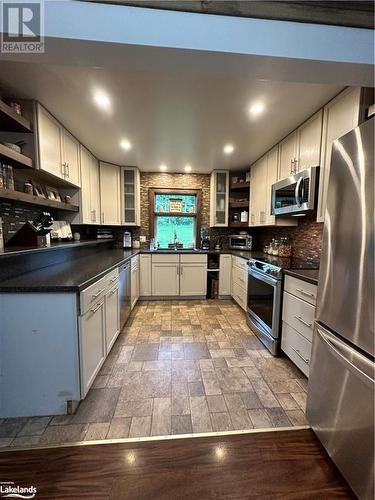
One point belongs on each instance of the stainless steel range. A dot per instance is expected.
(264, 292)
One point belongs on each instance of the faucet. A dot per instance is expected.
(175, 239)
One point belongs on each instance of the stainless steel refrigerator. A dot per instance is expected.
(340, 406)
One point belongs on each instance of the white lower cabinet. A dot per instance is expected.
(165, 279)
(239, 282)
(145, 275)
(112, 317)
(298, 321)
(92, 344)
(134, 280)
(179, 275)
(225, 273)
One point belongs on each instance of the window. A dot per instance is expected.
(174, 217)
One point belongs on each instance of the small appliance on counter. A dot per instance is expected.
(61, 230)
(34, 233)
(104, 234)
(205, 239)
(127, 239)
(240, 242)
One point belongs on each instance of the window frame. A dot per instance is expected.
(178, 191)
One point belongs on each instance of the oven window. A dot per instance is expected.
(260, 299)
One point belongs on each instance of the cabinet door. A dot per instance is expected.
(225, 274)
(309, 142)
(112, 317)
(134, 285)
(110, 193)
(272, 162)
(340, 116)
(49, 141)
(94, 190)
(193, 280)
(130, 197)
(70, 155)
(287, 155)
(85, 193)
(145, 275)
(92, 345)
(219, 199)
(165, 279)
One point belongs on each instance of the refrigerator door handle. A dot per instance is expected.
(357, 363)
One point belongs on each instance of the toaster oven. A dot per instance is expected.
(240, 242)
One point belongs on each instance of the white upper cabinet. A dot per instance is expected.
(130, 196)
(70, 158)
(58, 150)
(287, 155)
(339, 117)
(90, 189)
(49, 143)
(110, 198)
(219, 199)
(309, 142)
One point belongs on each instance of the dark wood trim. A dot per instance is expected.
(358, 14)
(31, 199)
(197, 215)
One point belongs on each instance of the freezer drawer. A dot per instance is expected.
(340, 408)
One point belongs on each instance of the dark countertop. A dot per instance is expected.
(78, 273)
(309, 275)
(70, 276)
(61, 245)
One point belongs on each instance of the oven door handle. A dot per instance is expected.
(262, 277)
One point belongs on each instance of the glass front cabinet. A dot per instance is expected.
(219, 200)
(130, 197)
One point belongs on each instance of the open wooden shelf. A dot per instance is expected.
(13, 158)
(239, 204)
(9, 194)
(238, 224)
(10, 121)
(240, 185)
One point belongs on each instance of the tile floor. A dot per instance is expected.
(177, 368)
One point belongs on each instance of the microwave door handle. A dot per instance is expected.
(297, 190)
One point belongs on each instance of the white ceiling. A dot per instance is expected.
(171, 119)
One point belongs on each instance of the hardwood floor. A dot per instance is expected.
(285, 464)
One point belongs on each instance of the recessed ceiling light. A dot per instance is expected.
(228, 149)
(125, 144)
(102, 100)
(163, 168)
(257, 108)
(187, 168)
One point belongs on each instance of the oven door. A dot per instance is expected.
(296, 193)
(263, 308)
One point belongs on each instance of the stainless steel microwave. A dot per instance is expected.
(296, 194)
(240, 242)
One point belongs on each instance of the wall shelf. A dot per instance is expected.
(240, 185)
(31, 199)
(10, 121)
(13, 158)
(239, 204)
(238, 224)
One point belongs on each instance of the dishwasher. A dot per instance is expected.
(124, 293)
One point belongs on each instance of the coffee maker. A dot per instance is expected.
(205, 239)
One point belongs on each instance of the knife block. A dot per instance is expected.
(29, 236)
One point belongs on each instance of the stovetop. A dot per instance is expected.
(273, 265)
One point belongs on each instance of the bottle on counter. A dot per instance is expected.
(275, 247)
(285, 247)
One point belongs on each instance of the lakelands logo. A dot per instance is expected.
(10, 490)
(22, 26)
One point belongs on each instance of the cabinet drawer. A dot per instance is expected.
(190, 258)
(166, 258)
(302, 289)
(240, 262)
(135, 262)
(240, 277)
(92, 294)
(239, 295)
(299, 315)
(297, 348)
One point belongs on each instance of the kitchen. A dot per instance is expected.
(167, 282)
